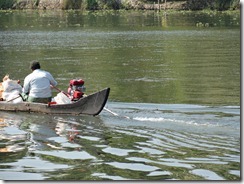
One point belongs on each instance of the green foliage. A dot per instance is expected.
(18, 4)
(6, 4)
(226, 4)
(110, 4)
(119, 4)
(212, 4)
(91, 4)
(102, 4)
(69, 4)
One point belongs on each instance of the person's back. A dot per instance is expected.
(37, 85)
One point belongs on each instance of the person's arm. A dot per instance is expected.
(53, 82)
(26, 86)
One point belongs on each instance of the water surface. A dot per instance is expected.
(175, 86)
(157, 142)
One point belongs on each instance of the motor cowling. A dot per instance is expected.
(76, 89)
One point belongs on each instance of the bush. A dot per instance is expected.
(91, 4)
(212, 4)
(7, 4)
(70, 4)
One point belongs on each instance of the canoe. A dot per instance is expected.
(91, 104)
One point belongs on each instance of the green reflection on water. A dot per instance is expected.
(143, 56)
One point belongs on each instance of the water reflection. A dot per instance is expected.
(40, 147)
(146, 58)
(13, 139)
(166, 59)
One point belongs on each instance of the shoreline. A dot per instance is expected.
(118, 5)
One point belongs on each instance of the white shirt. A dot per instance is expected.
(37, 84)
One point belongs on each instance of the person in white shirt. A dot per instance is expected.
(37, 85)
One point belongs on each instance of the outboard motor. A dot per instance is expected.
(76, 89)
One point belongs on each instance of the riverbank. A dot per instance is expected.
(120, 4)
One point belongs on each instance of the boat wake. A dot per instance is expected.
(172, 120)
(180, 117)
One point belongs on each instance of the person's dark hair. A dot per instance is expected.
(35, 65)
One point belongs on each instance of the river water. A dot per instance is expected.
(175, 89)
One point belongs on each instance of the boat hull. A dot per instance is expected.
(92, 104)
